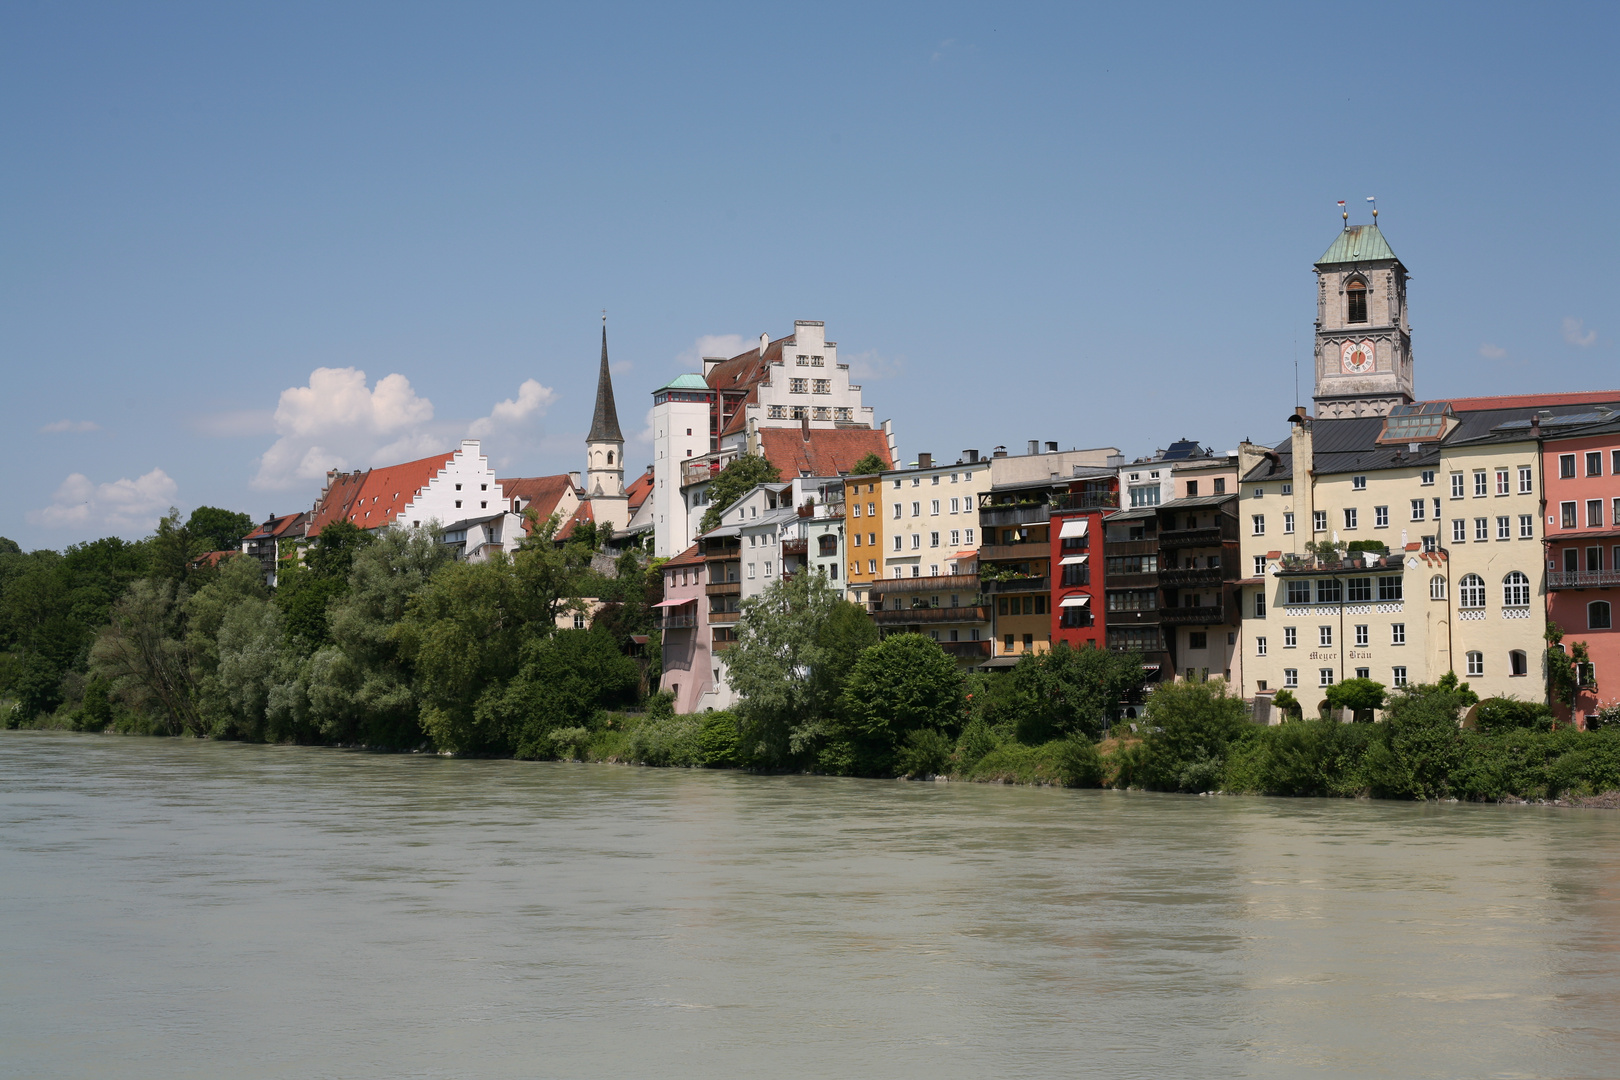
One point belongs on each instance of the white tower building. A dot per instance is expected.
(682, 412)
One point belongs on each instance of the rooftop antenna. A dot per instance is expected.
(1374, 200)
(1296, 369)
(1345, 211)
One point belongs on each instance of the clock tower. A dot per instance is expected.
(1363, 341)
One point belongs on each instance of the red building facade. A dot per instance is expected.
(1076, 539)
(1581, 470)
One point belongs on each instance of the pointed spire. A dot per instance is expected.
(605, 424)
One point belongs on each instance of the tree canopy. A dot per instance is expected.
(735, 481)
(868, 464)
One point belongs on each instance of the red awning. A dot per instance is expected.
(676, 603)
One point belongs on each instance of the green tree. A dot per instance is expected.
(562, 682)
(1500, 714)
(1192, 728)
(903, 684)
(1071, 690)
(869, 464)
(142, 655)
(1420, 741)
(1360, 696)
(735, 480)
(305, 590)
(218, 530)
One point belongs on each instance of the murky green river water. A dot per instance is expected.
(182, 909)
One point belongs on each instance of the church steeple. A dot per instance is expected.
(604, 446)
(1363, 339)
(605, 424)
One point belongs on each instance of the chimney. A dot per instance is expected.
(1034, 446)
(1051, 448)
(970, 456)
(1000, 451)
(1535, 426)
(709, 363)
(1116, 461)
(573, 478)
(804, 427)
(925, 461)
(1304, 466)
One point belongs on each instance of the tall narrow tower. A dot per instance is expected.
(1363, 340)
(604, 453)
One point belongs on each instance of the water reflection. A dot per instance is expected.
(176, 908)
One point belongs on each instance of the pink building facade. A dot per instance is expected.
(1581, 469)
(687, 642)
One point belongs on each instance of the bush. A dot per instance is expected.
(976, 741)
(926, 752)
(720, 737)
(1419, 743)
(1499, 714)
(1192, 728)
(1071, 762)
(676, 741)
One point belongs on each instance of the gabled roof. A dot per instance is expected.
(582, 514)
(341, 492)
(742, 371)
(605, 421)
(829, 451)
(382, 495)
(1357, 243)
(1534, 401)
(690, 557)
(739, 419)
(543, 493)
(639, 489)
(277, 526)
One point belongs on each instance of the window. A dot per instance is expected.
(1594, 463)
(1220, 485)
(1566, 466)
(1482, 529)
(767, 569)
(916, 541)
(1290, 637)
(1319, 520)
(1459, 531)
(933, 539)
(1259, 566)
(933, 507)
(1594, 559)
(1197, 639)
(1518, 662)
(1380, 517)
(1527, 527)
(1502, 485)
(1008, 643)
(1437, 587)
(916, 509)
(871, 566)
(954, 502)
(1456, 485)
(1358, 483)
(1594, 513)
(1299, 592)
(1526, 486)
(822, 386)
(856, 512)
(1471, 591)
(750, 571)
(1417, 509)
(1614, 462)
(1192, 489)
(1288, 489)
(1397, 676)
(897, 543)
(1259, 525)
(1291, 677)
(1288, 521)
(1566, 513)
(798, 386)
(1476, 664)
(1426, 478)
(1389, 588)
(1324, 636)
(968, 535)
(1437, 509)
(777, 413)
(956, 537)
(1349, 517)
(1329, 591)
(1325, 676)
(1355, 295)
(1598, 615)
(1363, 673)
(1259, 646)
(1361, 633)
(1481, 484)
(1360, 590)
(871, 508)
(1260, 604)
(1397, 633)
(1516, 590)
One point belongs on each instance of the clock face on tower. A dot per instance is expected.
(1356, 357)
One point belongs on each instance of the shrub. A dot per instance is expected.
(1360, 696)
(927, 752)
(976, 741)
(720, 739)
(1498, 714)
(1419, 742)
(1192, 727)
(676, 741)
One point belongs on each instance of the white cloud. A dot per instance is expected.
(338, 422)
(1576, 334)
(531, 403)
(1492, 352)
(121, 506)
(76, 426)
(727, 345)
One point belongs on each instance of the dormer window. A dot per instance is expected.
(1356, 294)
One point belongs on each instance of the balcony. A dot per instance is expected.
(723, 618)
(1147, 546)
(1018, 585)
(1584, 579)
(957, 583)
(1191, 576)
(795, 547)
(966, 650)
(1013, 515)
(1086, 500)
(918, 616)
(1209, 615)
(723, 588)
(1181, 538)
(1033, 549)
(1356, 563)
(678, 622)
(1133, 618)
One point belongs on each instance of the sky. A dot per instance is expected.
(243, 244)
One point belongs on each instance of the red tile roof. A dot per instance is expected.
(543, 493)
(639, 489)
(212, 558)
(276, 526)
(690, 557)
(739, 419)
(341, 492)
(583, 514)
(829, 452)
(1532, 401)
(745, 369)
(383, 493)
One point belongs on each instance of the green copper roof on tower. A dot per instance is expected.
(605, 423)
(1358, 243)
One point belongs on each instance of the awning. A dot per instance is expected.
(1073, 527)
(1001, 662)
(676, 603)
(1075, 601)
(1073, 560)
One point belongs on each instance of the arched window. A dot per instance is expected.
(1598, 616)
(1471, 591)
(1356, 293)
(1437, 587)
(1516, 590)
(610, 457)
(1476, 665)
(1519, 662)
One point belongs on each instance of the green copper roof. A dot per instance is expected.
(1358, 243)
(688, 381)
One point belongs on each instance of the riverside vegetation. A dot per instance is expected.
(385, 641)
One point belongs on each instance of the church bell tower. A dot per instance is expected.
(1363, 340)
(604, 453)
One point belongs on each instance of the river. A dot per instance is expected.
(176, 908)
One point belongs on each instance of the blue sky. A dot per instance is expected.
(1094, 225)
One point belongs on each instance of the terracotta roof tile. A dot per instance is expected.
(383, 493)
(639, 489)
(690, 557)
(543, 493)
(1532, 401)
(829, 452)
(581, 515)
